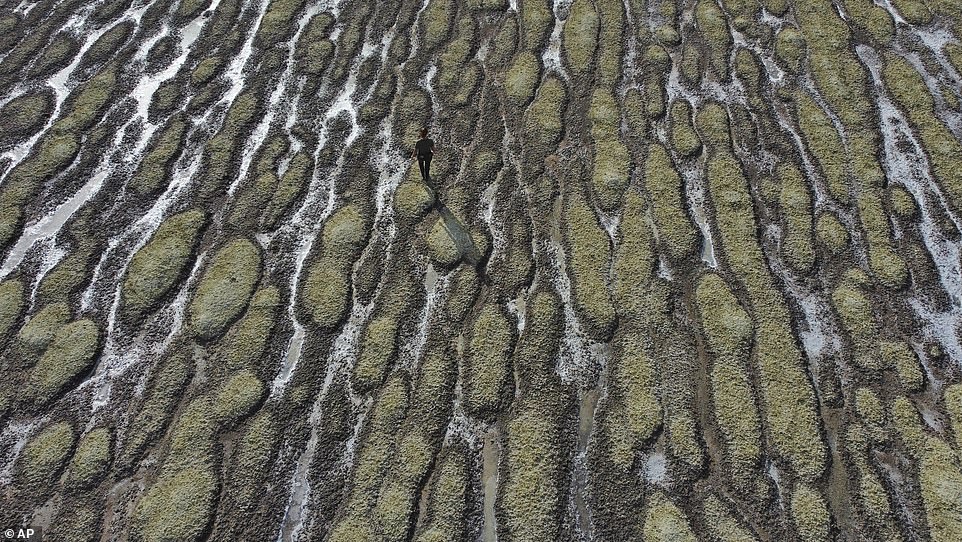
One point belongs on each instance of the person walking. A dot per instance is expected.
(424, 151)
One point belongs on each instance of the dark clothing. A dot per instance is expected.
(424, 162)
(424, 147)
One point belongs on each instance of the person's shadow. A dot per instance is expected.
(454, 227)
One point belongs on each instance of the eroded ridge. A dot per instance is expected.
(684, 270)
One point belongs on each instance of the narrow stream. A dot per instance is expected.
(490, 458)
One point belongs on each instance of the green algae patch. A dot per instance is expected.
(224, 289)
(252, 461)
(871, 20)
(245, 344)
(69, 356)
(157, 162)
(831, 234)
(902, 202)
(534, 466)
(939, 475)
(714, 28)
(667, 35)
(279, 21)
(543, 121)
(640, 413)
(611, 40)
(610, 177)
(870, 410)
(729, 329)
(442, 244)
(25, 115)
(90, 461)
(683, 136)
(536, 21)
(727, 325)
(824, 141)
(88, 102)
(66, 278)
(178, 508)
(44, 456)
(790, 49)
(159, 265)
(290, 187)
(165, 389)
(858, 319)
(723, 525)
(344, 232)
(486, 361)
(109, 43)
(612, 161)
(588, 259)
(206, 70)
(326, 294)
(238, 397)
(378, 348)
(665, 522)
(313, 56)
(579, 38)
(909, 90)
(188, 9)
(898, 355)
(326, 288)
(41, 328)
(635, 258)
(447, 500)
(250, 200)
(810, 514)
(675, 230)
(11, 306)
(787, 395)
(636, 119)
(54, 153)
(521, 78)
(412, 200)
(714, 126)
(436, 22)
(795, 202)
(505, 42)
(464, 289)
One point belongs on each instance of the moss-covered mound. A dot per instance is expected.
(664, 521)
(159, 265)
(11, 306)
(90, 461)
(69, 356)
(68, 277)
(41, 328)
(238, 396)
(161, 154)
(24, 115)
(326, 290)
(44, 456)
(150, 418)
(590, 254)
(179, 507)
(675, 229)
(486, 361)
(412, 199)
(224, 289)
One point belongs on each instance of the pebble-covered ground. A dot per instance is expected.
(687, 270)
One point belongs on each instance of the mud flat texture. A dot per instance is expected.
(686, 270)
